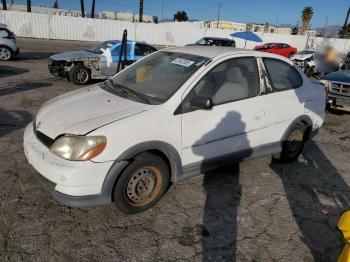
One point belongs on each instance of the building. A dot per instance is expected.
(234, 26)
(128, 17)
(261, 28)
(43, 10)
(283, 30)
(310, 32)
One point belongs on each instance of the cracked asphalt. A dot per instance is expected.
(255, 211)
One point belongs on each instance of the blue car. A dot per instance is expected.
(99, 62)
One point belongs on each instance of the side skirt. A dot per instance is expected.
(202, 167)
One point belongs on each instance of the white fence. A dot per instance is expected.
(172, 34)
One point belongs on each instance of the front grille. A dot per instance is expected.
(44, 139)
(341, 89)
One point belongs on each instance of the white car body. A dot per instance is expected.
(243, 129)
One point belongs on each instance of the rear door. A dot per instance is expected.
(286, 101)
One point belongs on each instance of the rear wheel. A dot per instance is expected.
(293, 145)
(142, 184)
(5, 53)
(290, 55)
(79, 75)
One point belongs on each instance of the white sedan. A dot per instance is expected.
(174, 114)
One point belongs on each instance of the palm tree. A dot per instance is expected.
(306, 17)
(82, 8)
(4, 6)
(93, 9)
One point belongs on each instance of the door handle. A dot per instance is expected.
(259, 115)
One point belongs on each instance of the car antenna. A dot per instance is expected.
(123, 52)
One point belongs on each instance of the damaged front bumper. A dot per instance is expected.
(72, 183)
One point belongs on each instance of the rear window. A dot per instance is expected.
(282, 75)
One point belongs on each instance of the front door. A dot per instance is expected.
(236, 120)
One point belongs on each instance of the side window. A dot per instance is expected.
(232, 80)
(115, 51)
(282, 75)
(3, 33)
(142, 50)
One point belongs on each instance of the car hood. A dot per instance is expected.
(73, 55)
(338, 76)
(84, 110)
(301, 57)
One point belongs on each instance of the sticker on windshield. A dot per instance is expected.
(182, 62)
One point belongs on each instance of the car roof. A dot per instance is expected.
(209, 51)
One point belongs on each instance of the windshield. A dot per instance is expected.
(104, 45)
(159, 76)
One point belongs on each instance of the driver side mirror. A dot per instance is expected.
(200, 102)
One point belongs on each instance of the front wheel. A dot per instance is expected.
(5, 53)
(79, 75)
(293, 145)
(141, 184)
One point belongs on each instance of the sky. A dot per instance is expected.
(258, 11)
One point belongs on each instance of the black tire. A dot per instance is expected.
(79, 75)
(290, 55)
(141, 184)
(5, 53)
(293, 144)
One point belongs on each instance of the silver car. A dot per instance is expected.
(8, 44)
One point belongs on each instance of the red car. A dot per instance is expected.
(277, 48)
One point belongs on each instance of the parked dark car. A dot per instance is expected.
(215, 41)
(338, 86)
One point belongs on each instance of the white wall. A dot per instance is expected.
(173, 34)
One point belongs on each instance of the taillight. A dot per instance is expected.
(11, 36)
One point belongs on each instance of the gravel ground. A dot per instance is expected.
(255, 211)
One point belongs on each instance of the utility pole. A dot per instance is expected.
(141, 12)
(4, 6)
(347, 18)
(162, 10)
(325, 27)
(219, 7)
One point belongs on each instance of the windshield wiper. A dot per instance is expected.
(128, 91)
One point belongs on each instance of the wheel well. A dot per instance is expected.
(162, 156)
(308, 129)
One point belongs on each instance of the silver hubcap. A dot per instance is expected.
(143, 186)
(81, 76)
(4, 54)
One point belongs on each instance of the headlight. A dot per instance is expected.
(79, 148)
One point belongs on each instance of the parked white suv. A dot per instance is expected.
(174, 114)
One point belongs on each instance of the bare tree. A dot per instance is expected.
(82, 8)
(141, 12)
(4, 6)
